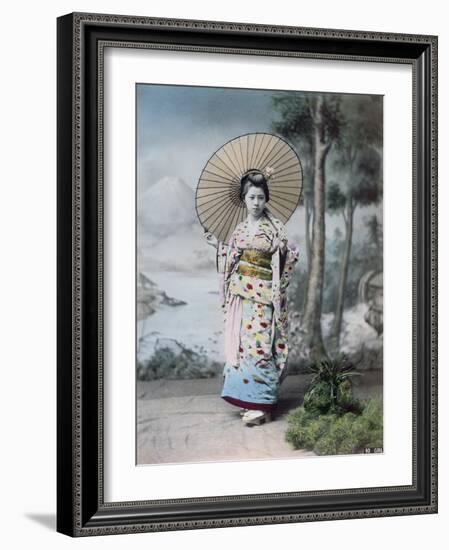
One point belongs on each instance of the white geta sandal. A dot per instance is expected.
(255, 418)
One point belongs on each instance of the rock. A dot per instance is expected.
(371, 293)
(168, 301)
(170, 344)
(149, 297)
(145, 283)
(144, 310)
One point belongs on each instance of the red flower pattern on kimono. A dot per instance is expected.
(270, 236)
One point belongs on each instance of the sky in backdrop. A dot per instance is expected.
(180, 127)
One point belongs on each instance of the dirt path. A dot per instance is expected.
(187, 421)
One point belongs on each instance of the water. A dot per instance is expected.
(199, 324)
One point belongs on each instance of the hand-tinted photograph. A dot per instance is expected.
(259, 274)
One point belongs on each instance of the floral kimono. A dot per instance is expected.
(255, 270)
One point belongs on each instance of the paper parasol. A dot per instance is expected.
(218, 203)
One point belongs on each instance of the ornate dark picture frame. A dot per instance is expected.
(81, 509)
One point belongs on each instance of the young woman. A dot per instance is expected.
(255, 270)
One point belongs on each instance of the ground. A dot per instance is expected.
(186, 421)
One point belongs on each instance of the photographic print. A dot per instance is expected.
(221, 313)
(259, 274)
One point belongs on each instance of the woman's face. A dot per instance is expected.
(255, 201)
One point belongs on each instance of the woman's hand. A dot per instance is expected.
(283, 246)
(211, 239)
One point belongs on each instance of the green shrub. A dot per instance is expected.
(186, 364)
(368, 428)
(305, 429)
(330, 389)
(331, 434)
(317, 400)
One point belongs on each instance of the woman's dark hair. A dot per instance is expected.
(254, 179)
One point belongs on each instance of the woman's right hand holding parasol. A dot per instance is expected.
(211, 239)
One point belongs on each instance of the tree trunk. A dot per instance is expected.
(312, 312)
(307, 228)
(308, 248)
(308, 219)
(336, 328)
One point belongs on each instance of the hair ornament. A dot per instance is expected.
(268, 172)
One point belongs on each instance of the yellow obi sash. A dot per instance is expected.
(255, 263)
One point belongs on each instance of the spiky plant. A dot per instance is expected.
(330, 386)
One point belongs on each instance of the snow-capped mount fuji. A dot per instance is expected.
(167, 206)
(170, 236)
